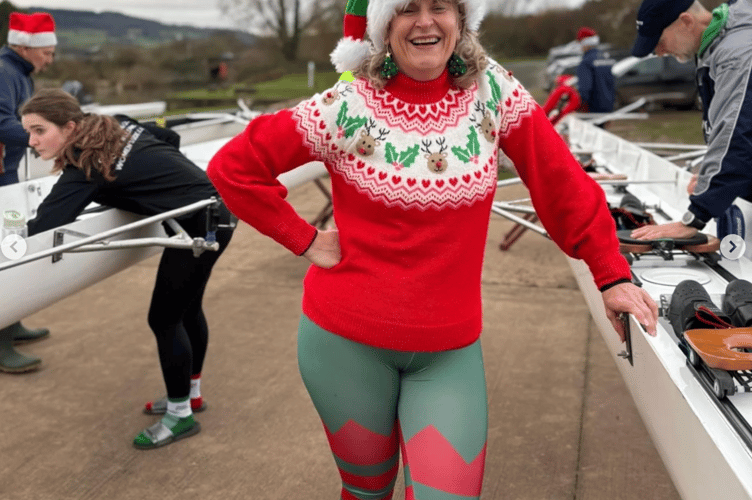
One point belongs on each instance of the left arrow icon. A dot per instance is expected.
(13, 247)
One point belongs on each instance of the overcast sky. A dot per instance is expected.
(201, 13)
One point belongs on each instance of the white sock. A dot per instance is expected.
(195, 387)
(179, 408)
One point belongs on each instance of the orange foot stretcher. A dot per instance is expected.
(722, 349)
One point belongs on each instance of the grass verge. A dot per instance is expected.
(682, 127)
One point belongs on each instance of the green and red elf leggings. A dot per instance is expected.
(373, 401)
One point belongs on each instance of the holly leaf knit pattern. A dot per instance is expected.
(391, 153)
(472, 149)
(405, 159)
(342, 115)
(493, 103)
(349, 123)
(408, 156)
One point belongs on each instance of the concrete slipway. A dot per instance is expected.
(562, 425)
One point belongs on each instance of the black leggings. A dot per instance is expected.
(176, 315)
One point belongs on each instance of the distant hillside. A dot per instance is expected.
(79, 29)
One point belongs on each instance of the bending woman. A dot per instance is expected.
(121, 164)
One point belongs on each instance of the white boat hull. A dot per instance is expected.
(706, 454)
(35, 285)
(703, 454)
(137, 110)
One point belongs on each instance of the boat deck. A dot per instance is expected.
(562, 424)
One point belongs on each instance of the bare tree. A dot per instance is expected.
(285, 20)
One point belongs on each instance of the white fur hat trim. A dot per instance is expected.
(590, 41)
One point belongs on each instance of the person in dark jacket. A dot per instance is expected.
(595, 82)
(126, 166)
(30, 50)
(721, 42)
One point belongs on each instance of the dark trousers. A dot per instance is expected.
(176, 314)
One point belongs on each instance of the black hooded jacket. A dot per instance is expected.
(152, 177)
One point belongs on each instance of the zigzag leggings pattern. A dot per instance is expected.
(376, 402)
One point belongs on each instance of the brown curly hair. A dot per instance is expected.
(97, 140)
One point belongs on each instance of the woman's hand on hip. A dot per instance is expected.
(325, 251)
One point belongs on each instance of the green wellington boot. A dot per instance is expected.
(12, 361)
(23, 335)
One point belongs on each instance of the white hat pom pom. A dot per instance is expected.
(349, 54)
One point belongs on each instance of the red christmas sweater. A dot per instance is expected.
(413, 175)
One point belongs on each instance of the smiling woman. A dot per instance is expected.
(454, 23)
(422, 37)
(389, 340)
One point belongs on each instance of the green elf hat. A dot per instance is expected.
(362, 17)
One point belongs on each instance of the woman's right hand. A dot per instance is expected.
(325, 251)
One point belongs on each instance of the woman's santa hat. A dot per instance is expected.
(362, 17)
(31, 30)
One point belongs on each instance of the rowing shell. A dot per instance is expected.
(704, 441)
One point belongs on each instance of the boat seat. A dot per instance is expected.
(700, 243)
(721, 348)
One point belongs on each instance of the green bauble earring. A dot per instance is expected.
(389, 70)
(456, 66)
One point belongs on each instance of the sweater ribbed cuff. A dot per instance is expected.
(309, 245)
(613, 284)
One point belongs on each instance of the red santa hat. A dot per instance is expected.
(31, 30)
(362, 16)
(587, 36)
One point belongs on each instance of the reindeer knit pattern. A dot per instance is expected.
(413, 170)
